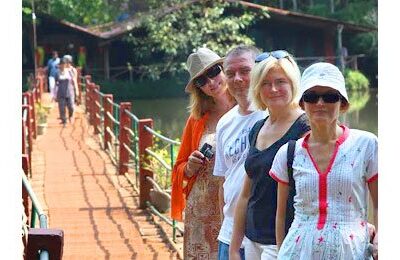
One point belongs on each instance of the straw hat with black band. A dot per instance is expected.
(199, 62)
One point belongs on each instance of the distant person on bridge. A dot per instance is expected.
(194, 188)
(70, 67)
(64, 91)
(232, 139)
(52, 69)
(335, 169)
(273, 87)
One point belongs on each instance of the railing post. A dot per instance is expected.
(49, 239)
(87, 92)
(45, 81)
(79, 96)
(23, 134)
(32, 115)
(40, 87)
(37, 86)
(90, 102)
(25, 167)
(88, 79)
(29, 124)
(96, 110)
(108, 107)
(124, 122)
(145, 141)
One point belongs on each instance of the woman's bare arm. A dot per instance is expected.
(283, 191)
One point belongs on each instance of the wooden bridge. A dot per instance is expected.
(90, 182)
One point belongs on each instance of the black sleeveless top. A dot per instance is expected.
(261, 208)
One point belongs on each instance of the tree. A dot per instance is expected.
(80, 12)
(168, 39)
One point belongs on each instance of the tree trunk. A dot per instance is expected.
(281, 4)
(294, 5)
(332, 4)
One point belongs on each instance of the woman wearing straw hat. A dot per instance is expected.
(334, 169)
(194, 188)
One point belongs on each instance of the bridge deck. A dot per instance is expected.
(83, 195)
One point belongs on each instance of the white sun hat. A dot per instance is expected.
(200, 61)
(323, 74)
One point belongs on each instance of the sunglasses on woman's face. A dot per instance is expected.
(312, 97)
(212, 72)
(279, 54)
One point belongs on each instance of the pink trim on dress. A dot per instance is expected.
(273, 175)
(323, 176)
(373, 178)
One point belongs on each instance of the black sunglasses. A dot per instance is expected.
(279, 54)
(312, 97)
(212, 72)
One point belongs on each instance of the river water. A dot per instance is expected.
(170, 114)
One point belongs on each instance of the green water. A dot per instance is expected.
(170, 114)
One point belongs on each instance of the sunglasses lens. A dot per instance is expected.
(262, 57)
(200, 81)
(280, 54)
(330, 97)
(327, 97)
(310, 97)
(213, 71)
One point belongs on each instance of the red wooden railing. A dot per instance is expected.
(48, 243)
(129, 142)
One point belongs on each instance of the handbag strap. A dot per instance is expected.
(290, 158)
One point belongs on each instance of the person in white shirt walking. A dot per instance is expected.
(52, 69)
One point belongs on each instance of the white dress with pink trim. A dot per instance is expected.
(330, 207)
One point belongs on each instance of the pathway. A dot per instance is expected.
(83, 195)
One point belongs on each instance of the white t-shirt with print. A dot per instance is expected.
(232, 147)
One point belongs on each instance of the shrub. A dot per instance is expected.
(358, 100)
(41, 113)
(355, 80)
(162, 149)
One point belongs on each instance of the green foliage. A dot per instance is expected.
(161, 175)
(41, 113)
(91, 12)
(358, 100)
(218, 25)
(320, 9)
(355, 80)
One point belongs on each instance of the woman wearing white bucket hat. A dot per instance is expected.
(334, 167)
(194, 188)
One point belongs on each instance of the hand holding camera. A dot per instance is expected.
(198, 159)
(206, 151)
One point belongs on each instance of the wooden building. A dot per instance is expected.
(106, 53)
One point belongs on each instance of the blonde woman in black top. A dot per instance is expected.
(273, 87)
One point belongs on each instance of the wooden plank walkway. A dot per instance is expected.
(83, 195)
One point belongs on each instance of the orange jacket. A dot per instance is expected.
(190, 141)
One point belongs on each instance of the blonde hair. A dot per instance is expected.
(200, 103)
(259, 72)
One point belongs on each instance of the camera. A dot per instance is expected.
(206, 151)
